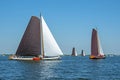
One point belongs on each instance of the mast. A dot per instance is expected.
(41, 38)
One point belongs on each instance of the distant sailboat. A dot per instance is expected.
(96, 49)
(82, 53)
(37, 41)
(74, 52)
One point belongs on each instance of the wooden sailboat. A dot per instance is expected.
(82, 53)
(37, 42)
(96, 49)
(74, 52)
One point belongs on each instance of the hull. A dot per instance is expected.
(25, 59)
(97, 57)
(73, 55)
(51, 58)
(82, 54)
(34, 58)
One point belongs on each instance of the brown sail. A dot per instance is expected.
(96, 50)
(94, 43)
(82, 53)
(30, 43)
(73, 52)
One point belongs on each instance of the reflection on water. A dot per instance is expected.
(38, 70)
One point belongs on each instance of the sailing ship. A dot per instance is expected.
(96, 49)
(74, 52)
(37, 42)
(82, 53)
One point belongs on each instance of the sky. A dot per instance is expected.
(70, 21)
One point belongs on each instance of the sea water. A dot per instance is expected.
(68, 68)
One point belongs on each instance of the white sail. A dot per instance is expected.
(51, 47)
(75, 53)
(100, 47)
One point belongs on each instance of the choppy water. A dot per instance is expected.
(68, 68)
